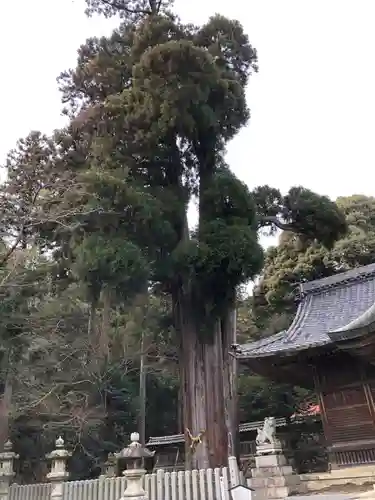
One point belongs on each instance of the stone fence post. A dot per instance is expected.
(58, 473)
(7, 458)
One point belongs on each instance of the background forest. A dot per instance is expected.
(105, 291)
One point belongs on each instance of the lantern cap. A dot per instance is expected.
(59, 452)
(135, 449)
(8, 454)
(8, 445)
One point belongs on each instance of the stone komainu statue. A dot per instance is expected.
(268, 433)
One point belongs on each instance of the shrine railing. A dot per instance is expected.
(352, 454)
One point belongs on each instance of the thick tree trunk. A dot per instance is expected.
(180, 407)
(6, 400)
(142, 391)
(91, 324)
(93, 356)
(203, 402)
(203, 370)
(104, 333)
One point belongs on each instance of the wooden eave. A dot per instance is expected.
(335, 313)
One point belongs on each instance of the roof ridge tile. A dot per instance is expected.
(356, 274)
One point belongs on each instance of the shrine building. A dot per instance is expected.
(330, 346)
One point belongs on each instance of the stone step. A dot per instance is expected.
(270, 461)
(276, 481)
(273, 493)
(273, 478)
(284, 470)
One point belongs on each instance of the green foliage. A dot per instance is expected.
(311, 216)
(127, 8)
(229, 45)
(117, 262)
(31, 177)
(183, 98)
(92, 81)
(181, 84)
(229, 199)
(185, 101)
(358, 247)
(225, 252)
(57, 388)
(247, 330)
(260, 397)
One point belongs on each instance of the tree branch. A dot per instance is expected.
(10, 251)
(273, 220)
(116, 5)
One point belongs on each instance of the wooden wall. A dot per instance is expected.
(346, 392)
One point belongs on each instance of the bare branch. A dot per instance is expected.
(10, 250)
(21, 232)
(122, 7)
(273, 220)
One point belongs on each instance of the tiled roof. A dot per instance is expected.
(172, 439)
(180, 438)
(328, 306)
(252, 426)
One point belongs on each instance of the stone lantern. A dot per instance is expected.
(109, 467)
(58, 474)
(7, 458)
(131, 459)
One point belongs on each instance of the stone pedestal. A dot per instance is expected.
(272, 477)
(134, 489)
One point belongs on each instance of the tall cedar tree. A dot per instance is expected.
(160, 100)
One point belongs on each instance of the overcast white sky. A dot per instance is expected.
(313, 101)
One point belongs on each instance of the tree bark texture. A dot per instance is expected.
(6, 399)
(91, 324)
(203, 375)
(104, 332)
(142, 391)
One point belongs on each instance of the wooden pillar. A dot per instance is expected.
(325, 424)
